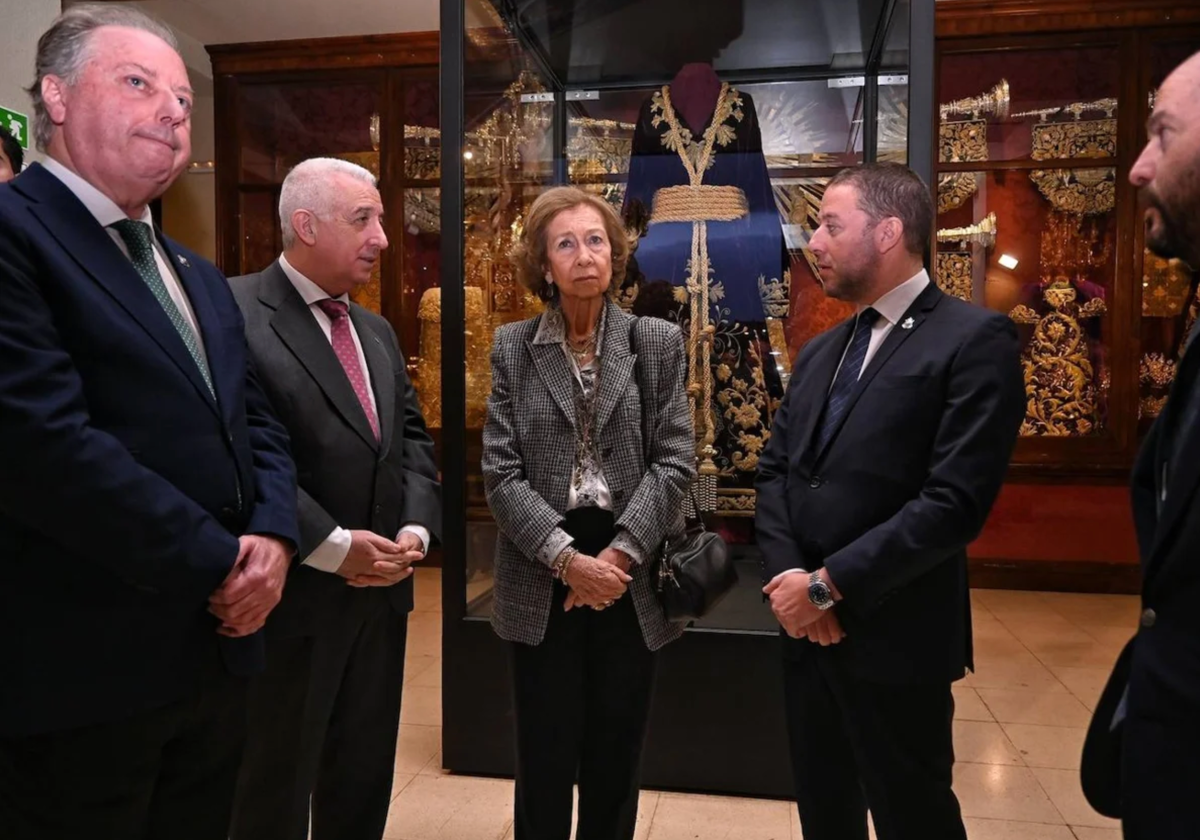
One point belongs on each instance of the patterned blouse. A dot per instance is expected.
(588, 485)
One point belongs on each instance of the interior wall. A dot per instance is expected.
(24, 22)
(189, 207)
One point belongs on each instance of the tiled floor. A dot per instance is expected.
(1042, 660)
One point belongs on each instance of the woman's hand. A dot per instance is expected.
(594, 583)
(616, 557)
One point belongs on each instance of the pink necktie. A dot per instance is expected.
(343, 346)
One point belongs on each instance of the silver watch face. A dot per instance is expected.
(819, 594)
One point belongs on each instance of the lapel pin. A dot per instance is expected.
(907, 324)
(183, 261)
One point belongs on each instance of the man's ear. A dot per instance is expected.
(304, 223)
(888, 234)
(55, 93)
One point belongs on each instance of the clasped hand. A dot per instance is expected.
(377, 561)
(597, 581)
(253, 586)
(798, 616)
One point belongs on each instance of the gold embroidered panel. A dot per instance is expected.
(962, 142)
(954, 188)
(1165, 286)
(955, 275)
(1082, 192)
(1083, 139)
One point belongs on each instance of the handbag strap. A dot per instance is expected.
(648, 425)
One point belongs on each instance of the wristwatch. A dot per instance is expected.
(819, 592)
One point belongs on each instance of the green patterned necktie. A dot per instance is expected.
(137, 237)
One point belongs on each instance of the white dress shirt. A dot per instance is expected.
(106, 212)
(891, 308)
(329, 555)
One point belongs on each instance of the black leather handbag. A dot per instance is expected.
(695, 571)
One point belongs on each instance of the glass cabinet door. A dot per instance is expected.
(1029, 225)
(508, 160)
(283, 123)
(556, 103)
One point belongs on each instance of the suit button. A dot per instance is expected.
(378, 509)
(816, 482)
(228, 513)
(1149, 617)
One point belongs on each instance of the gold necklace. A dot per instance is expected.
(580, 349)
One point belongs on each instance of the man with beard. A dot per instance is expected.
(884, 460)
(1147, 722)
(147, 499)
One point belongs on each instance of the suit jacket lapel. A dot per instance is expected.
(616, 364)
(383, 377)
(81, 236)
(293, 322)
(555, 372)
(909, 324)
(819, 382)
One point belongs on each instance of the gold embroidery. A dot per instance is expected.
(1086, 139)
(955, 188)
(1083, 192)
(428, 378)
(1060, 382)
(1165, 286)
(775, 295)
(955, 274)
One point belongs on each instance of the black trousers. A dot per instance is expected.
(582, 699)
(163, 775)
(857, 745)
(322, 727)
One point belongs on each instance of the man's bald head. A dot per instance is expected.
(1168, 170)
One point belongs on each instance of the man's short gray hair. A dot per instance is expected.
(307, 187)
(65, 49)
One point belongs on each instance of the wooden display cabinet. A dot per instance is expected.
(1042, 108)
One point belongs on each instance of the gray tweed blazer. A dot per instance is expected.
(644, 435)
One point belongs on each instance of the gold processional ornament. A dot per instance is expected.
(965, 141)
(955, 269)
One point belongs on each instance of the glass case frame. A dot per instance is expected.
(711, 675)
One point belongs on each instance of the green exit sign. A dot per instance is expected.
(17, 124)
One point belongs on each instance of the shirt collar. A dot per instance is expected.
(310, 291)
(553, 327)
(102, 208)
(895, 303)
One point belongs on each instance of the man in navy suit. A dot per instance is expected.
(884, 460)
(147, 497)
(1142, 743)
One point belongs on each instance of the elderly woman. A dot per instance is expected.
(588, 453)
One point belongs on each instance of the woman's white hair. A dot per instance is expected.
(307, 187)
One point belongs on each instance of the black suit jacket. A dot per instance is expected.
(906, 483)
(1160, 669)
(124, 484)
(346, 477)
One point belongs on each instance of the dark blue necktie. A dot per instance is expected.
(847, 377)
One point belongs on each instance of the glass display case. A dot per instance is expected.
(1036, 219)
(599, 96)
(370, 101)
